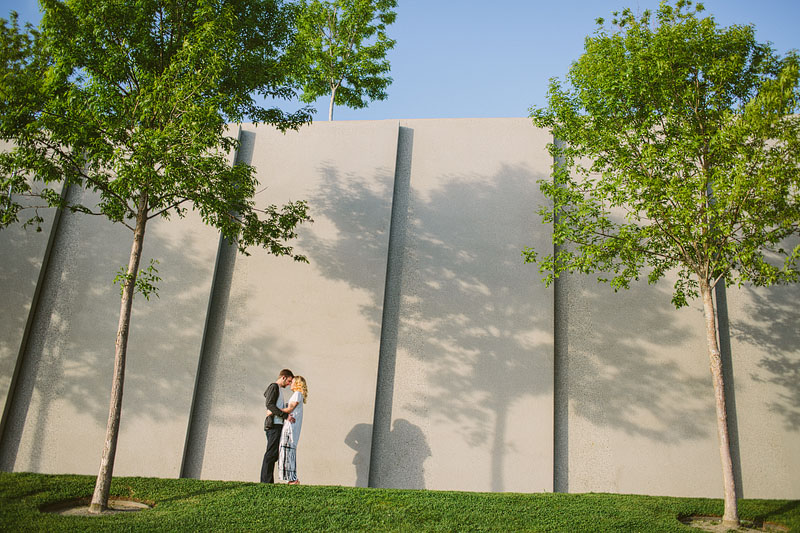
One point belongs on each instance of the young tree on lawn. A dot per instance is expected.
(131, 99)
(341, 50)
(680, 153)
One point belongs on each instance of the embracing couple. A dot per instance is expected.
(283, 424)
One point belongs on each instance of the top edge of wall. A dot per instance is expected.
(400, 120)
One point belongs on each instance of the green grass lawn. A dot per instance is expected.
(192, 505)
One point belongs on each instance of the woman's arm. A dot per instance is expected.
(289, 408)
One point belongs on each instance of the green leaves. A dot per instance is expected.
(131, 99)
(145, 282)
(128, 96)
(679, 152)
(341, 49)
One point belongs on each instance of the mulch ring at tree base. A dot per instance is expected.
(714, 524)
(80, 507)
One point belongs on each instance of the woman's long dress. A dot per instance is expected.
(287, 454)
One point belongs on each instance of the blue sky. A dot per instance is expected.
(459, 59)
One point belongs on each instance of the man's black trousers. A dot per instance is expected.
(271, 455)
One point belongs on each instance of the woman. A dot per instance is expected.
(287, 454)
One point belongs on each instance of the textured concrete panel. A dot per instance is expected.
(765, 348)
(641, 400)
(435, 358)
(641, 404)
(60, 410)
(22, 255)
(472, 405)
(322, 320)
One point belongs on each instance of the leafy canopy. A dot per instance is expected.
(131, 99)
(678, 150)
(341, 49)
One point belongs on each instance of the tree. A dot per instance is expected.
(679, 153)
(341, 50)
(131, 99)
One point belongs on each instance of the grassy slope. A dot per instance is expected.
(192, 505)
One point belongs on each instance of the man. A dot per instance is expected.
(274, 423)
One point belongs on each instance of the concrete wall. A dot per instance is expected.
(764, 333)
(435, 358)
(56, 419)
(322, 320)
(471, 402)
(24, 253)
(636, 398)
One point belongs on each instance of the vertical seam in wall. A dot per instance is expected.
(189, 444)
(560, 385)
(188, 447)
(387, 356)
(23, 345)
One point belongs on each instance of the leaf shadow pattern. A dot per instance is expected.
(473, 318)
(466, 315)
(24, 258)
(67, 366)
(617, 374)
(353, 209)
(240, 359)
(457, 314)
(770, 324)
(23, 251)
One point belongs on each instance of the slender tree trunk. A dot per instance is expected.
(103, 484)
(731, 515)
(330, 108)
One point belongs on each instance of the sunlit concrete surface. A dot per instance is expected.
(435, 358)
(57, 421)
(322, 320)
(472, 401)
(24, 252)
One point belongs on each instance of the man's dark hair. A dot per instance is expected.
(286, 373)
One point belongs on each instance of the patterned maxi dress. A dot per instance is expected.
(287, 454)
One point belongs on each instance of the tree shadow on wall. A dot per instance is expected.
(236, 366)
(70, 353)
(771, 323)
(467, 313)
(472, 325)
(354, 210)
(623, 364)
(469, 316)
(616, 377)
(22, 253)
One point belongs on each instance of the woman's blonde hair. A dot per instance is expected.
(299, 384)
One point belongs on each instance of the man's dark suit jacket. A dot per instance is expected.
(271, 394)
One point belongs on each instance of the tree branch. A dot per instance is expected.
(164, 210)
